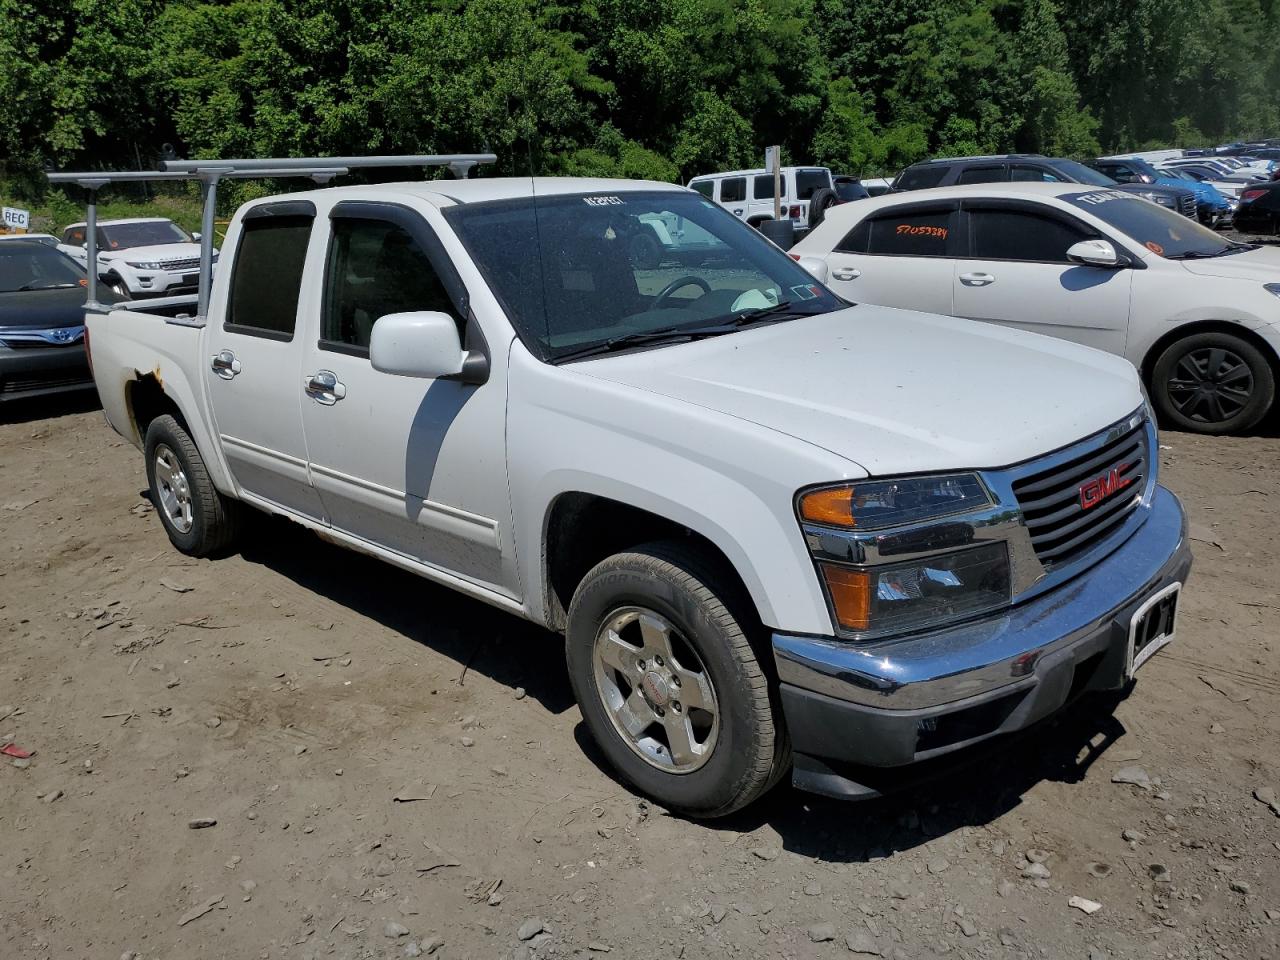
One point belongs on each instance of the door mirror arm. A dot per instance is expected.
(1097, 253)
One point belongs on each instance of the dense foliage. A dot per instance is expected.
(645, 88)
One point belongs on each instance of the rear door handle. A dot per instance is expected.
(324, 387)
(225, 364)
(977, 279)
(846, 273)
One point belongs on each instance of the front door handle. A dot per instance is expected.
(846, 273)
(324, 387)
(977, 279)
(225, 364)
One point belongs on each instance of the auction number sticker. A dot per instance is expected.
(603, 201)
(920, 230)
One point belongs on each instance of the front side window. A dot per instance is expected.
(914, 233)
(266, 276)
(733, 190)
(576, 271)
(146, 233)
(375, 268)
(1021, 235)
(1158, 229)
(1020, 173)
(1118, 173)
(922, 177)
(74, 236)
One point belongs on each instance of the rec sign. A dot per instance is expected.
(15, 219)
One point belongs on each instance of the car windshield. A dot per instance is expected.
(582, 271)
(147, 233)
(1077, 172)
(36, 266)
(849, 189)
(1158, 229)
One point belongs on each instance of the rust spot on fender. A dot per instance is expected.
(159, 379)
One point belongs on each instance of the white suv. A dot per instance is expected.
(143, 256)
(748, 194)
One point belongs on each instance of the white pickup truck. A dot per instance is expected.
(780, 532)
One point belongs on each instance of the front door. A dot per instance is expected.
(1017, 273)
(899, 257)
(255, 360)
(415, 466)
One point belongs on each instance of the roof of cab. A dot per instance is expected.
(481, 189)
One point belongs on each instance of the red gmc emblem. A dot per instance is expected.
(1098, 489)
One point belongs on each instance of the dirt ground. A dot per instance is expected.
(294, 691)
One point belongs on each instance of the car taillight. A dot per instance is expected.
(795, 212)
(1250, 195)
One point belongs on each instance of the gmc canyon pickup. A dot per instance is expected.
(779, 532)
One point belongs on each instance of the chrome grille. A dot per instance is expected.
(1187, 206)
(190, 263)
(1071, 506)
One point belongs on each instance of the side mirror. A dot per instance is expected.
(1095, 253)
(195, 235)
(817, 267)
(424, 344)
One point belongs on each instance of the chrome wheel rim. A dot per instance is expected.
(1210, 385)
(656, 690)
(172, 489)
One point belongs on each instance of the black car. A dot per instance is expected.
(1259, 210)
(849, 189)
(1033, 168)
(42, 295)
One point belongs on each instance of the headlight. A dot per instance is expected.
(876, 504)
(919, 594)
(1273, 288)
(143, 265)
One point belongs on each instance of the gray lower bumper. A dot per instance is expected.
(897, 702)
(33, 371)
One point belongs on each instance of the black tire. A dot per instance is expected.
(118, 287)
(714, 617)
(214, 519)
(821, 201)
(1212, 383)
(646, 250)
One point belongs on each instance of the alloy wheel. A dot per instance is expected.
(173, 490)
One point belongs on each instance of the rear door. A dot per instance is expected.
(1014, 270)
(255, 360)
(732, 194)
(412, 465)
(899, 256)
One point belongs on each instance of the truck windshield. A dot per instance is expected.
(578, 271)
(147, 233)
(1160, 230)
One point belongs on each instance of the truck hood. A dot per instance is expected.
(894, 391)
(156, 252)
(1261, 265)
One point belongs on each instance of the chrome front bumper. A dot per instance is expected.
(898, 701)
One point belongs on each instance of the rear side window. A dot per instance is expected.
(921, 178)
(1025, 174)
(981, 175)
(762, 188)
(704, 187)
(918, 233)
(1021, 235)
(809, 182)
(733, 190)
(267, 276)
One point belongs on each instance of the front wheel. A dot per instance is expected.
(669, 683)
(118, 287)
(1212, 383)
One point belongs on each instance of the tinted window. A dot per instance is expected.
(1117, 172)
(1028, 174)
(910, 234)
(31, 265)
(981, 175)
(583, 270)
(267, 275)
(1160, 230)
(809, 182)
(122, 236)
(857, 239)
(921, 177)
(704, 187)
(74, 236)
(848, 189)
(733, 190)
(1021, 235)
(763, 187)
(375, 268)
(1069, 171)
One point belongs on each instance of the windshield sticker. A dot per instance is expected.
(1102, 196)
(1155, 248)
(920, 230)
(805, 292)
(603, 201)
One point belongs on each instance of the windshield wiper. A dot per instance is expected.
(1225, 251)
(36, 285)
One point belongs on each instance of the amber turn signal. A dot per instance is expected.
(850, 593)
(832, 506)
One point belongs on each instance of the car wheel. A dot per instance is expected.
(671, 686)
(199, 520)
(819, 203)
(646, 251)
(1212, 383)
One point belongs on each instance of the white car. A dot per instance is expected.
(141, 256)
(1197, 314)
(46, 238)
(748, 194)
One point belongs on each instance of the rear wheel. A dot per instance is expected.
(819, 203)
(198, 519)
(669, 682)
(1212, 383)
